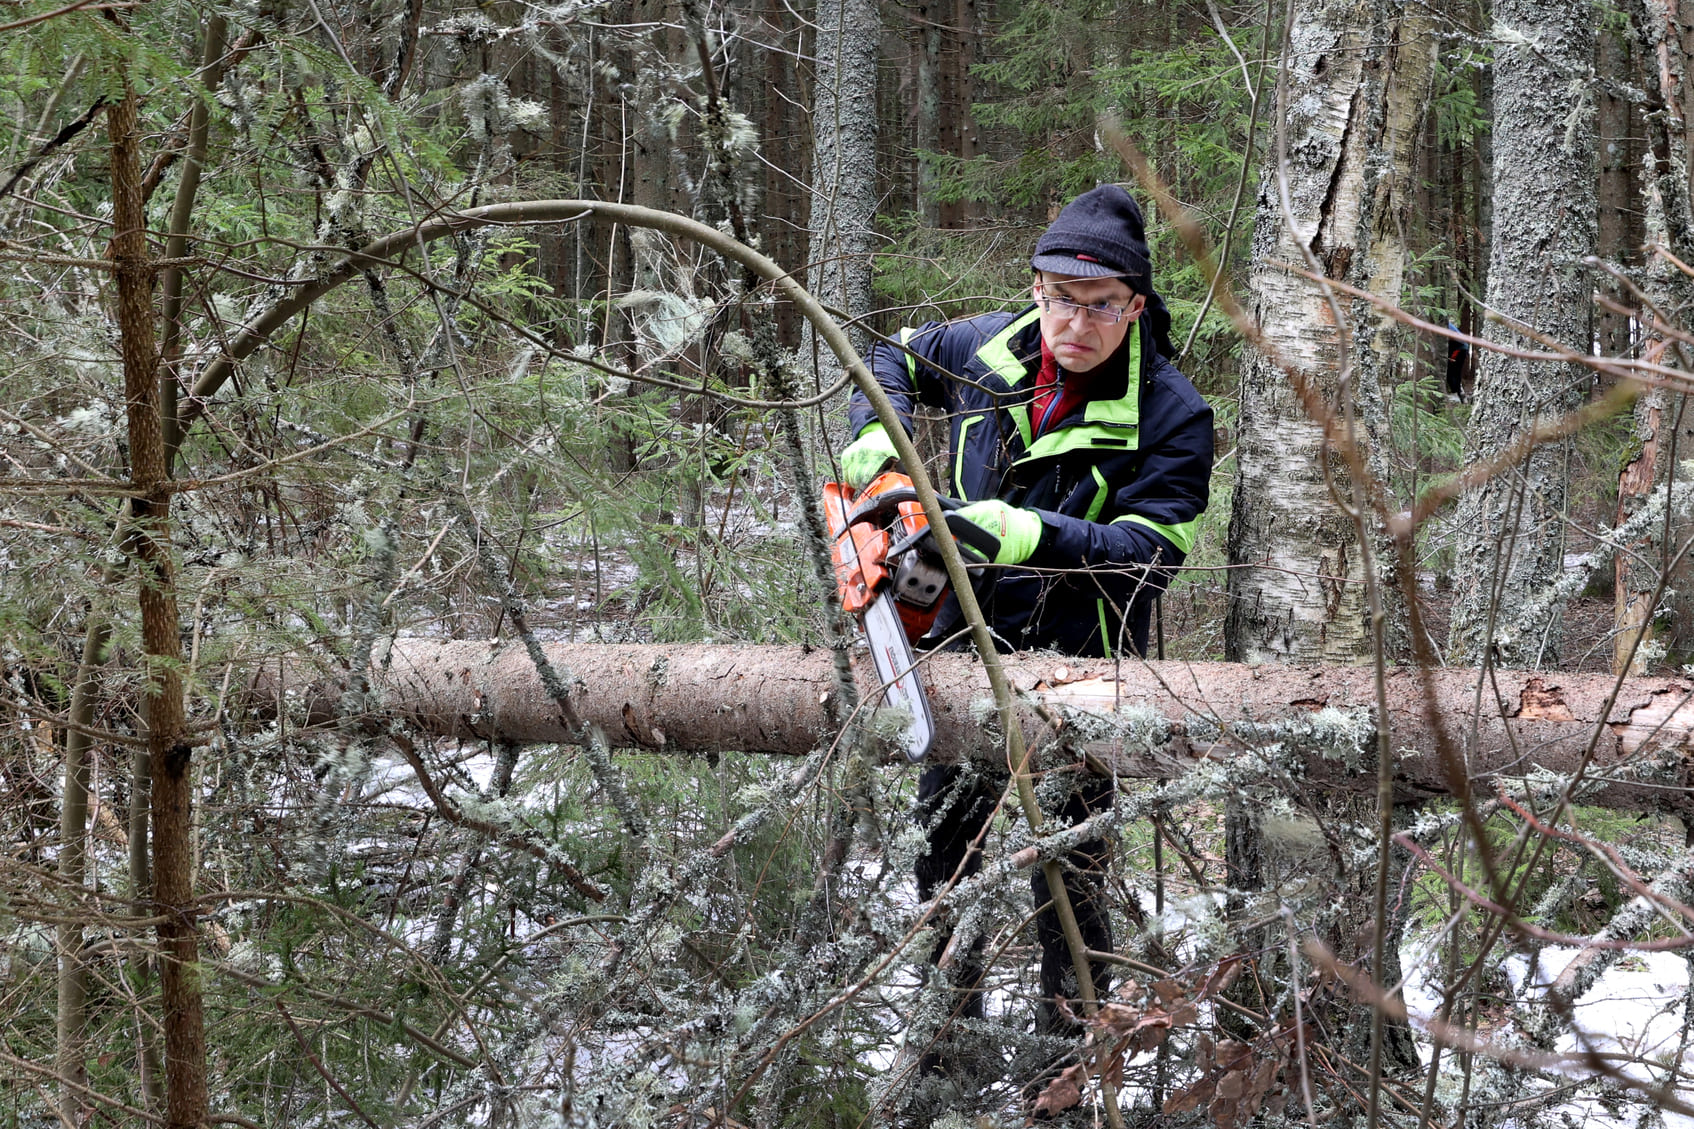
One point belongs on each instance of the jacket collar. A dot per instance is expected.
(1014, 355)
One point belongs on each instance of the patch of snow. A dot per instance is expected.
(1634, 1009)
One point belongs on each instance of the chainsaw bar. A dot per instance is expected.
(902, 685)
(863, 571)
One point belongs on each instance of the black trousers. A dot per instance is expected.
(954, 804)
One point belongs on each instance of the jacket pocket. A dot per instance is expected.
(960, 446)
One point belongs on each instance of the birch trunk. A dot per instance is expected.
(1512, 529)
(1358, 78)
(1153, 720)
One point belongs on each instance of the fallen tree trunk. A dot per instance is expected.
(1151, 720)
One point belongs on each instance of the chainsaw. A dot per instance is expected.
(891, 578)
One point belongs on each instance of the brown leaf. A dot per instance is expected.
(1264, 1076)
(1167, 991)
(1225, 974)
(1062, 1092)
(1232, 1054)
(1118, 1019)
(1232, 1085)
(1148, 1038)
(1225, 1112)
(1112, 1072)
(1184, 1100)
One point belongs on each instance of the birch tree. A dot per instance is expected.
(1334, 184)
(1511, 530)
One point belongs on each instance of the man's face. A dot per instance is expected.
(1081, 338)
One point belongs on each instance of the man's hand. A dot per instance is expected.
(1019, 531)
(865, 456)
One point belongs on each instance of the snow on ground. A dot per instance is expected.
(1635, 1009)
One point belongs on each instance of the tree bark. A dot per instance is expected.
(958, 93)
(1513, 527)
(1660, 420)
(73, 863)
(1664, 427)
(1619, 230)
(1153, 720)
(149, 544)
(844, 181)
(1358, 77)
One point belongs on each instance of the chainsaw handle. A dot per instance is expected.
(964, 529)
(879, 499)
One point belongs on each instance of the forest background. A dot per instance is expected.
(343, 339)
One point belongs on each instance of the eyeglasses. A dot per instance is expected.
(1103, 312)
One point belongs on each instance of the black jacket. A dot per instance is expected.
(1119, 482)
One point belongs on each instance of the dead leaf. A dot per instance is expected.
(1184, 1100)
(1148, 1038)
(1062, 1092)
(1264, 1077)
(1117, 1019)
(1112, 1072)
(1232, 1054)
(1225, 974)
(1225, 1112)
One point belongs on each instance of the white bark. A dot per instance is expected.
(1512, 529)
(1358, 78)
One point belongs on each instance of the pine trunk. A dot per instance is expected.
(1154, 720)
(1664, 425)
(149, 544)
(73, 860)
(844, 182)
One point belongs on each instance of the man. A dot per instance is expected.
(1079, 445)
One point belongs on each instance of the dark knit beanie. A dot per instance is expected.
(1097, 235)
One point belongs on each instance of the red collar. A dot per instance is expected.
(1071, 389)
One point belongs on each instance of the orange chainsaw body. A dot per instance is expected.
(895, 601)
(872, 525)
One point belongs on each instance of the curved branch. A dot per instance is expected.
(390, 247)
(531, 212)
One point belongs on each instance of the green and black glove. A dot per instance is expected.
(865, 456)
(1018, 531)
